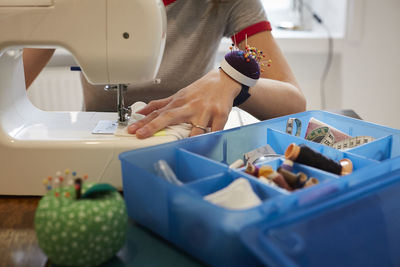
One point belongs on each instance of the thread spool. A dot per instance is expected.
(305, 155)
(239, 163)
(289, 177)
(310, 182)
(287, 165)
(278, 179)
(251, 169)
(265, 171)
(302, 179)
(294, 180)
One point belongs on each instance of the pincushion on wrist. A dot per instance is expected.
(243, 67)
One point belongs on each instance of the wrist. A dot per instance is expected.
(232, 84)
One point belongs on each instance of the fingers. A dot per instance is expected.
(154, 105)
(161, 118)
(200, 126)
(218, 123)
(157, 120)
(139, 124)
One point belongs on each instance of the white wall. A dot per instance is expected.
(366, 67)
(371, 65)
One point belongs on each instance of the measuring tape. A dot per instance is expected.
(321, 135)
(325, 135)
(353, 142)
(289, 126)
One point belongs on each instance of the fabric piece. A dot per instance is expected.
(194, 32)
(237, 196)
(178, 131)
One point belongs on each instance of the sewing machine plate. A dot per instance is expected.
(105, 127)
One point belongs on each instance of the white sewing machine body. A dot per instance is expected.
(34, 143)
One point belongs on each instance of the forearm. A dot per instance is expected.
(34, 61)
(272, 98)
(277, 92)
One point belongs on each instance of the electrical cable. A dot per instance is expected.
(328, 63)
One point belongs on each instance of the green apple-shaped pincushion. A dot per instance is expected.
(81, 231)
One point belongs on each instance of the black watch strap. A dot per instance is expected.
(242, 96)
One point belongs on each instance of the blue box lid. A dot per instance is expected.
(354, 226)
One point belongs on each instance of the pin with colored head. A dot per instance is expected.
(244, 66)
(78, 188)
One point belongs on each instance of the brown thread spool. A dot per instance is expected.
(310, 182)
(302, 179)
(305, 155)
(278, 179)
(290, 177)
(251, 169)
(294, 180)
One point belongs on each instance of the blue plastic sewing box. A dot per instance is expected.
(351, 220)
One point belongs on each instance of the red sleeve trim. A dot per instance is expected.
(167, 2)
(251, 30)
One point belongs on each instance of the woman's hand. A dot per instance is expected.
(204, 103)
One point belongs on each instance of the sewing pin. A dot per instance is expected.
(78, 188)
(46, 182)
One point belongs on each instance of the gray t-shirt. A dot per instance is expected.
(194, 31)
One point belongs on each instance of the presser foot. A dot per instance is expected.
(124, 113)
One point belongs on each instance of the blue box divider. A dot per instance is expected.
(332, 223)
(380, 149)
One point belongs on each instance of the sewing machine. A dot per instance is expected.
(115, 42)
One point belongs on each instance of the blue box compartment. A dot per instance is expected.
(385, 146)
(219, 236)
